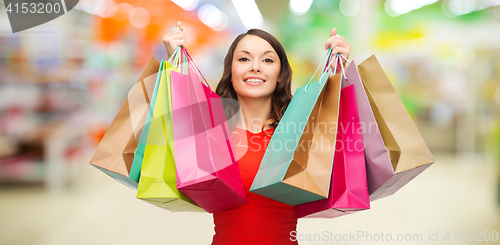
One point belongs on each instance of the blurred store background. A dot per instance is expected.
(61, 84)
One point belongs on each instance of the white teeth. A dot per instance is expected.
(255, 81)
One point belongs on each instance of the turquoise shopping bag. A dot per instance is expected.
(135, 170)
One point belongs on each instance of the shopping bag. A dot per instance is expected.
(408, 152)
(139, 152)
(348, 190)
(115, 153)
(297, 165)
(207, 171)
(378, 165)
(158, 182)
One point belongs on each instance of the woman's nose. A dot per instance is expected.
(256, 66)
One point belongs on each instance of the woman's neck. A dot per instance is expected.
(254, 112)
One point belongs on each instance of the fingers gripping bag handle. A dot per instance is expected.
(327, 70)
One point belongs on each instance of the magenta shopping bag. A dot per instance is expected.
(207, 171)
(348, 187)
(378, 165)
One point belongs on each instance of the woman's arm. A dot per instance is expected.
(174, 39)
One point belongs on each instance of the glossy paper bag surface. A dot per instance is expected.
(115, 153)
(297, 165)
(207, 171)
(158, 181)
(348, 190)
(135, 171)
(378, 165)
(408, 152)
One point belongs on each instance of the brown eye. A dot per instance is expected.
(243, 59)
(269, 60)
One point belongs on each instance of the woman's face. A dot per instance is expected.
(255, 68)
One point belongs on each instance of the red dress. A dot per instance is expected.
(262, 221)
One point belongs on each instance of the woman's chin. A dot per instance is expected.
(254, 96)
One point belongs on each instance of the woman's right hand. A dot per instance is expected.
(174, 39)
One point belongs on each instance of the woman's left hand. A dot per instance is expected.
(338, 44)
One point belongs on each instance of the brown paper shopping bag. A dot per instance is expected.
(115, 153)
(408, 152)
(297, 165)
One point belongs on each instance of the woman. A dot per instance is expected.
(256, 74)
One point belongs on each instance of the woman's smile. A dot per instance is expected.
(254, 81)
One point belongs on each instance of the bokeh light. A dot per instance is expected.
(213, 17)
(249, 13)
(349, 7)
(399, 7)
(187, 4)
(300, 7)
(139, 17)
(121, 11)
(458, 7)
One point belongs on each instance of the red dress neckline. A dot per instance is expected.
(268, 131)
(262, 220)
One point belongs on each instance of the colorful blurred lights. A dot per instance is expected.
(102, 8)
(187, 4)
(458, 7)
(249, 13)
(349, 7)
(139, 17)
(121, 11)
(213, 17)
(398, 7)
(452, 8)
(300, 7)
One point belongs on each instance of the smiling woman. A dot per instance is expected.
(256, 74)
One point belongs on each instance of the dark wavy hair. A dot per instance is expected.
(281, 96)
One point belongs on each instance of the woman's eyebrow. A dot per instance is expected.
(243, 51)
(268, 51)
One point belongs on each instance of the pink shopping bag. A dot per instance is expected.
(207, 171)
(378, 165)
(348, 187)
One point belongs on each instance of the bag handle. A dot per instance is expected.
(326, 69)
(180, 60)
(338, 60)
(174, 55)
(191, 61)
(177, 62)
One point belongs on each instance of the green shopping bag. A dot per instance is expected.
(297, 165)
(157, 182)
